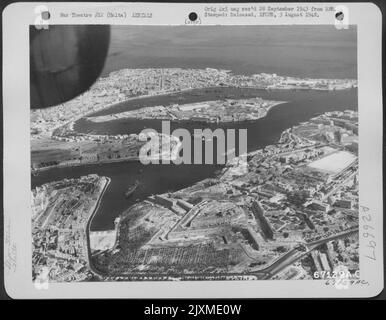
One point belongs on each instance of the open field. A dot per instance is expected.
(334, 163)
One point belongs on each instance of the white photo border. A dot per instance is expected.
(18, 17)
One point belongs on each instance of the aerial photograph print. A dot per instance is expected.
(199, 153)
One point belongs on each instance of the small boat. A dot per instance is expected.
(34, 173)
(130, 190)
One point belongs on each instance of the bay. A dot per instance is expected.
(301, 105)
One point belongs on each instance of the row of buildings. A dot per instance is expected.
(128, 83)
(61, 213)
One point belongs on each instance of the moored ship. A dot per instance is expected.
(131, 189)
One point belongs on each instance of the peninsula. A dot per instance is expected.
(55, 143)
(290, 211)
(229, 110)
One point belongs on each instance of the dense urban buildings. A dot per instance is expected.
(230, 110)
(61, 212)
(287, 212)
(128, 83)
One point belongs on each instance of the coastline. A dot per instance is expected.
(136, 158)
(274, 267)
(38, 170)
(127, 115)
(88, 225)
(169, 156)
(258, 273)
(260, 81)
(48, 134)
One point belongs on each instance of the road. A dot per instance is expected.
(266, 273)
(296, 254)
